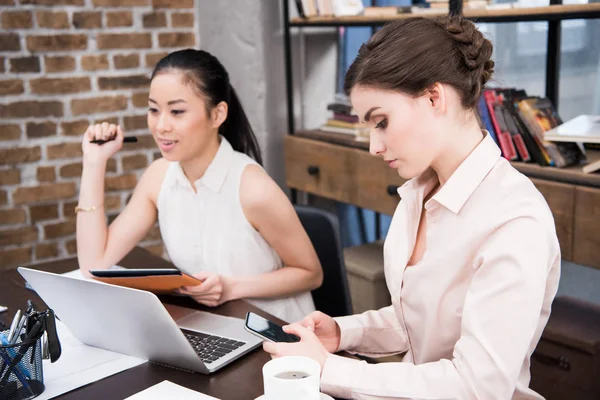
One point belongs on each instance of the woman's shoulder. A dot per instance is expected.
(153, 177)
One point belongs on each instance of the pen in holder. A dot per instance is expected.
(21, 373)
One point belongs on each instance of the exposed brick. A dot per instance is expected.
(11, 86)
(60, 229)
(154, 20)
(120, 3)
(123, 182)
(41, 193)
(153, 235)
(113, 120)
(61, 42)
(10, 132)
(19, 155)
(12, 217)
(136, 161)
(64, 150)
(7, 2)
(46, 174)
(176, 39)
(24, 109)
(59, 64)
(3, 197)
(71, 246)
(133, 123)
(74, 128)
(182, 20)
(119, 18)
(173, 3)
(156, 156)
(123, 82)
(98, 105)
(123, 61)
(17, 20)
(46, 250)
(10, 177)
(35, 130)
(156, 249)
(54, 2)
(2, 69)
(15, 257)
(43, 213)
(60, 85)
(153, 59)
(25, 64)
(144, 142)
(112, 203)
(87, 20)
(93, 63)
(140, 99)
(52, 20)
(111, 165)
(124, 41)
(9, 42)
(71, 170)
(18, 236)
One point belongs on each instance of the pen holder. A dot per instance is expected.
(21, 373)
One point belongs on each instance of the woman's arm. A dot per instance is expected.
(268, 209)
(100, 246)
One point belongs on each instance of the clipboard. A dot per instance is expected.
(153, 280)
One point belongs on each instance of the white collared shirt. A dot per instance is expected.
(207, 230)
(470, 313)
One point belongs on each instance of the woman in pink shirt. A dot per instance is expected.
(472, 261)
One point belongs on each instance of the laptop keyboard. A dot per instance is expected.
(210, 347)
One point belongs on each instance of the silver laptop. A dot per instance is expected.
(136, 323)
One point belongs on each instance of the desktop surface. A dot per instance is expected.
(240, 380)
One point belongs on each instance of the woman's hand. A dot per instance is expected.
(325, 328)
(100, 153)
(213, 291)
(309, 346)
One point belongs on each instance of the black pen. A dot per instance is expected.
(126, 139)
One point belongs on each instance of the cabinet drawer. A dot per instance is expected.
(341, 173)
(586, 237)
(561, 200)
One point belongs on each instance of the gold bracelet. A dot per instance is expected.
(86, 209)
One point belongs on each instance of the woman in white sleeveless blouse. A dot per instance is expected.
(222, 218)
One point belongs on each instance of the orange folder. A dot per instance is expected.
(153, 283)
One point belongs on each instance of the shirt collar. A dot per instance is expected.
(217, 170)
(463, 182)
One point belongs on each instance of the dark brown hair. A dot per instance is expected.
(413, 54)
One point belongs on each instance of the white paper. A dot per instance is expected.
(167, 390)
(80, 365)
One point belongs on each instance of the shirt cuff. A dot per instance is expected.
(351, 332)
(336, 378)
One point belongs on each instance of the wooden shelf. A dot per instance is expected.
(572, 175)
(548, 13)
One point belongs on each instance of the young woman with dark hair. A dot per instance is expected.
(221, 217)
(472, 261)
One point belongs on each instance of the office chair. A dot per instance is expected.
(323, 229)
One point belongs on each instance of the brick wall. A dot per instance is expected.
(65, 64)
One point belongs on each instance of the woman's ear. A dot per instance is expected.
(218, 114)
(437, 97)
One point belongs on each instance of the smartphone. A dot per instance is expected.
(267, 330)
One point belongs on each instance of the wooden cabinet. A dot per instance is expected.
(338, 168)
(586, 235)
(561, 199)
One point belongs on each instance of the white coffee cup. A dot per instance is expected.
(292, 378)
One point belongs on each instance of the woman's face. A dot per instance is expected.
(178, 118)
(402, 128)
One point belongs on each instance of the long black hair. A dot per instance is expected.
(210, 78)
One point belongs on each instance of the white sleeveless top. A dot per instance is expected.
(208, 230)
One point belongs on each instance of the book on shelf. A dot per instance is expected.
(344, 120)
(583, 128)
(518, 124)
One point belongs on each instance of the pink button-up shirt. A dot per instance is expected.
(471, 312)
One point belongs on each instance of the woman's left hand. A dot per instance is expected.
(214, 290)
(308, 346)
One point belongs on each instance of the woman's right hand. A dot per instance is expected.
(100, 153)
(325, 328)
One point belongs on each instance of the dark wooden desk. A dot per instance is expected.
(241, 379)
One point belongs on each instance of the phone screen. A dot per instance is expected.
(267, 329)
